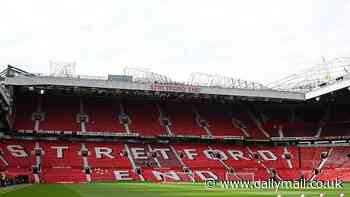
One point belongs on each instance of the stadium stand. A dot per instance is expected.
(82, 133)
(63, 158)
(148, 159)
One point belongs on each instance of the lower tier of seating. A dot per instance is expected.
(76, 162)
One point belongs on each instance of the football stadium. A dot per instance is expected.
(142, 133)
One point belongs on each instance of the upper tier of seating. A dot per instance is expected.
(144, 118)
(147, 118)
(103, 115)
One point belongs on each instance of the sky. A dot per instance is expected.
(254, 40)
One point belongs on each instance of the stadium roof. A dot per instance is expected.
(153, 87)
(318, 75)
(296, 87)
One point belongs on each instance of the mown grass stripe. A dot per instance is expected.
(156, 190)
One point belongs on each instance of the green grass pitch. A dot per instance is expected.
(151, 190)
